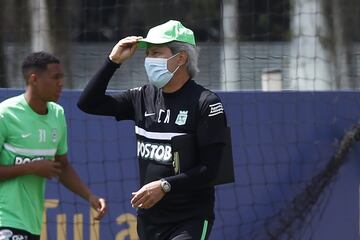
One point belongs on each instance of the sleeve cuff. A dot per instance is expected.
(111, 63)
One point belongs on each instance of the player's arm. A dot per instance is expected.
(93, 99)
(201, 175)
(198, 177)
(211, 142)
(43, 168)
(71, 180)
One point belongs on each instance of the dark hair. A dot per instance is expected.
(37, 61)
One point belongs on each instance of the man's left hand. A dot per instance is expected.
(148, 195)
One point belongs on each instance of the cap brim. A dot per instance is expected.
(143, 43)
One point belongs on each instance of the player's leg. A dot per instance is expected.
(13, 233)
(147, 230)
(184, 230)
(192, 229)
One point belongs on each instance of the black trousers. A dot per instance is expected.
(197, 229)
(14, 233)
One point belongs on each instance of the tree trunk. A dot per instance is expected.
(230, 53)
(60, 28)
(311, 61)
(344, 31)
(321, 46)
(40, 29)
(15, 39)
(50, 31)
(3, 78)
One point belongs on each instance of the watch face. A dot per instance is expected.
(166, 186)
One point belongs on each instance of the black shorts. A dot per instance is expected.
(198, 229)
(8, 233)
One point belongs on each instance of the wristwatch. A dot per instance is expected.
(165, 185)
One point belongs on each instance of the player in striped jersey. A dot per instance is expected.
(33, 140)
(170, 205)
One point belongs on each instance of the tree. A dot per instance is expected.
(3, 82)
(230, 73)
(322, 44)
(50, 30)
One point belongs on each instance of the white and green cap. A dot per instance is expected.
(167, 32)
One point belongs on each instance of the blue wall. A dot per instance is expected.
(280, 140)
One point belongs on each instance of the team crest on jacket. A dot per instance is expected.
(181, 118)
(54, 135)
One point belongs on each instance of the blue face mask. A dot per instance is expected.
(157, 71)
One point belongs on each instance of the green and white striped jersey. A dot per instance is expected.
(26, 136)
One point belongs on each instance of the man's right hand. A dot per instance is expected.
(124, 49)
(45, 168)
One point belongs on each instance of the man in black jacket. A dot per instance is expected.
(170, 204)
